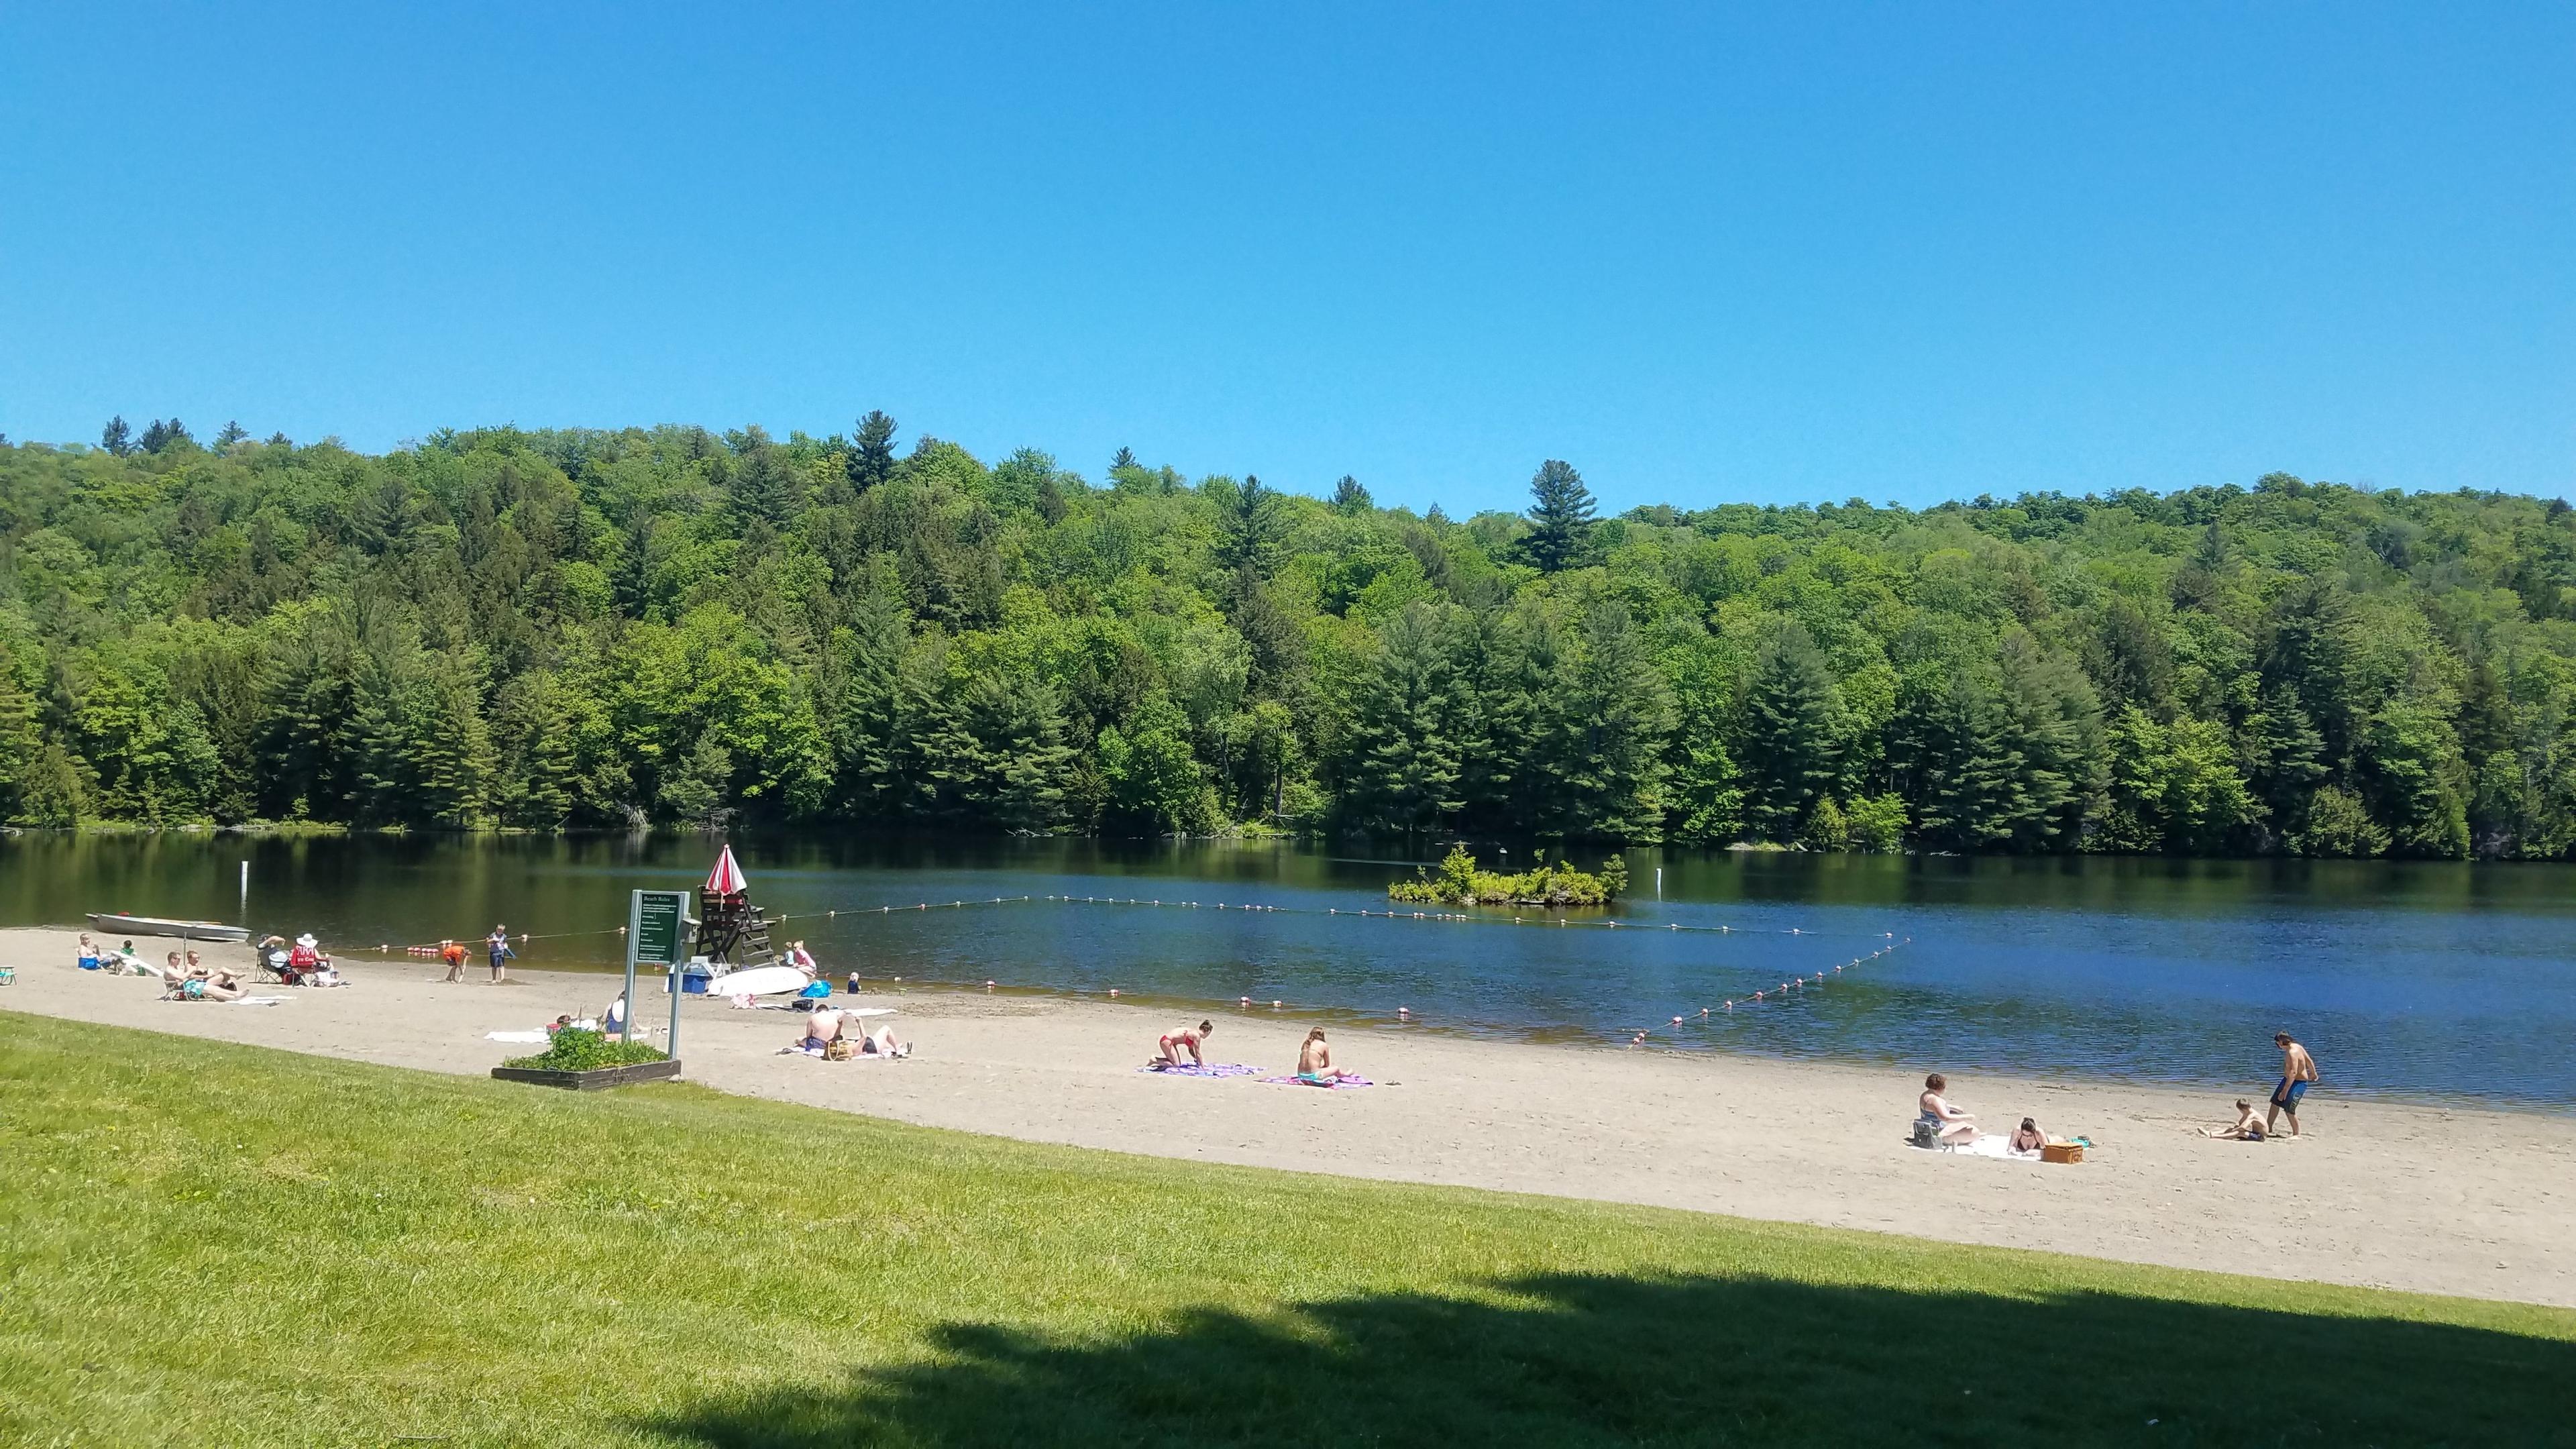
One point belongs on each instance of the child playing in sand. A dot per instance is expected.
(1180, 1039)
(2248, 1126)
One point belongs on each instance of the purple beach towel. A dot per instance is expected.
(1302, 1082)
(1212, 1069)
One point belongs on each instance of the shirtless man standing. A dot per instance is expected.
(2298, 1069)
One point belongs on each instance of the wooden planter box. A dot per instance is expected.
(590, 1081)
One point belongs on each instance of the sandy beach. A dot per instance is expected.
(2437, 1199)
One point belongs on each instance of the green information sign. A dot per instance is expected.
(656, 927)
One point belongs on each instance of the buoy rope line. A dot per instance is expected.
(1766, 997)
(1466, 918)
(1769, 996)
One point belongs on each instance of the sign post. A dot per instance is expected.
(652, 938)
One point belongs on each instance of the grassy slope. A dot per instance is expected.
(208, 1244)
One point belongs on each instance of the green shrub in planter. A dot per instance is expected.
(576, 1050)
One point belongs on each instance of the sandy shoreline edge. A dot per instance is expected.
(2472, 1200)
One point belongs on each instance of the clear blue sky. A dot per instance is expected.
(1906, 252)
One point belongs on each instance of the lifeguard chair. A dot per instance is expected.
(727, 920)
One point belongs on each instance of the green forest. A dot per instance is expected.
(607, 629)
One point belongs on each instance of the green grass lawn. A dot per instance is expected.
(205, 1244)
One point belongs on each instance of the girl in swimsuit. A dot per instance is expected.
(1315, 1061)
(1179, 1038)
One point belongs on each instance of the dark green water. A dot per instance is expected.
(2430, 979)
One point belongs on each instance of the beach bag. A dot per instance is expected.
(1926, 1134)
(836, 1050)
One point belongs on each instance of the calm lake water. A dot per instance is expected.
(2405, 978)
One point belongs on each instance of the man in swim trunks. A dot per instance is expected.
(821, 1030)
(2298, 1070)
(1181, 1038)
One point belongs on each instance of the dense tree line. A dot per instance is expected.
(587, 628)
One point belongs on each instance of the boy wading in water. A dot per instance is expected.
(2298, 1069)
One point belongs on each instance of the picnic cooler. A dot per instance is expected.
(2061, 1152)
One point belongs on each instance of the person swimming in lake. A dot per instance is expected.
(1315, 1061)
(1180, 1039)
(1953, 1127)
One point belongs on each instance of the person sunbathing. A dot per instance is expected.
(2248, 1126)
(1180, 1039)
(821, 1030)
(218, 987)
(2028, 1137)
(881, 1043)
(1953, 1127)
(1315, 1061)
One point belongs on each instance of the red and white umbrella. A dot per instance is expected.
(727, 878)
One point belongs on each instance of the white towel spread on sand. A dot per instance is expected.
(258, 1000)
(515, 1036)
(1995, 1145)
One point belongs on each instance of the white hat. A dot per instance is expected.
(306, 940)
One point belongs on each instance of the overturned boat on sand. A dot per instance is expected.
(118, 923)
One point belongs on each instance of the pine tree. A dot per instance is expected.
(1969, 785)
(767, 485)
(162, 433)
(233, 433)
(1402, 771)
(1603, 759)
(2054, 722)
(1791, 748)
(1250, 527)
(116, 437)
(1560, 517)
(871, 456)
(1349, 497)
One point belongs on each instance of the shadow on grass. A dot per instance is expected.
(1589, 1360)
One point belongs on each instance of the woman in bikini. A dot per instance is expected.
(2028, 1138)
(1180, 1039)
(1315, 1061)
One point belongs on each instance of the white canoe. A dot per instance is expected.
(758, 981)
(158, 926)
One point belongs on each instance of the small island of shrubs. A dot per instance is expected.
(1459, 883)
